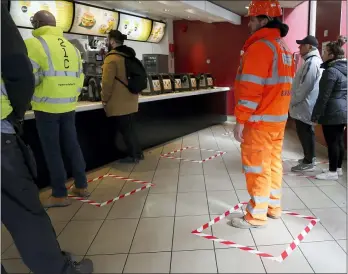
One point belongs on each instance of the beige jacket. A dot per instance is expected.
(117, 98)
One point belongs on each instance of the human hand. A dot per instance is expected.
(238, 132)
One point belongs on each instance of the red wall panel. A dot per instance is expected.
(221, 43)
(328, 18)
(297, 20)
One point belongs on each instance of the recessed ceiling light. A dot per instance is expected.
(166, 10)
(139, 2)
(247, 7)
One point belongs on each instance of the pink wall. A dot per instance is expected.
(297, 20)
(344, 22)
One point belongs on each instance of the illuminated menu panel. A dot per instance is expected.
(23, 11)
(157, 33)
(94, 21)
(136, 28)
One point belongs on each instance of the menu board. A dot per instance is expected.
(94, 21)
(136, 28)
(157, 33)
(23, 11)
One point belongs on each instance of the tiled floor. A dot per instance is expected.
(149, 232)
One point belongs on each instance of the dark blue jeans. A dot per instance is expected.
(56, 130)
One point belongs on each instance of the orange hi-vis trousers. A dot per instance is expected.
(263, 168)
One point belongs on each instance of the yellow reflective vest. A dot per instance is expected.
(6, 109)
(57, 68)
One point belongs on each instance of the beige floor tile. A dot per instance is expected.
(218, 182)
(221, 201)
(90, 212)
(290, 201)
(166, 163)
(166, 172)
(334, 220)
(128, 207)
(167, 184)
(190, 168)
(198, 261)
(15, 266)
(214, 168)
(160, 205)
(275, 233)
(145, 176)
(78, 236)
(343, 244)
(191, 183)
(64, 214)
(130, 186)
(184, 240)
(338, 194)
(237, 261)
(295, 181)
(148, 263)
(295, 263)
(153, 235)
(108, 263)
(297, 225)
(6, 239)
(325, 257)
(115, 236)
(193, 203)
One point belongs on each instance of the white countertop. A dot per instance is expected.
(85, 106)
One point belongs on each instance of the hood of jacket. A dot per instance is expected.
(126, 51)
(47, 30)
(273, 30)
(339, 64)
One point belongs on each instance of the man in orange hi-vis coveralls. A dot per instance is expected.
(262, 93)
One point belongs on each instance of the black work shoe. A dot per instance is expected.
(85, 266)
(141, 156)
(129, 160)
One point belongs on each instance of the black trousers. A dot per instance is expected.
(334, 137)
(306, 135)
(23, 215)
(125, 125)
(56, 130)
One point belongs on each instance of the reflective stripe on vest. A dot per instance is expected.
(52, 73)
(37, 72)
(275, 79)
(6, 109)
(268, 118)
(248, 104)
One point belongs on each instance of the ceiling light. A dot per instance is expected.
(166, 10)
(247, 8)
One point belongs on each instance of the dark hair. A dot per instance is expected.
(335, 48)
(117, 35)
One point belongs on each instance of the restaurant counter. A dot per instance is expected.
(161, 118)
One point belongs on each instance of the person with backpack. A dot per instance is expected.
(124, 77)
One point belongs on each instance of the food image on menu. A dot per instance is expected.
(22, 12)
(93, 21)
(87, 21)
(157, 32)
(136, 28)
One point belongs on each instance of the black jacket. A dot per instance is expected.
(331, 105)
(16, 69)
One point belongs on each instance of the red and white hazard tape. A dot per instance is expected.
(168, 155)
(97, 204)
(281, 257)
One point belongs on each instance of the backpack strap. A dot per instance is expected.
(118, 79)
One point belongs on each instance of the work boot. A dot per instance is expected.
(303, 167)
(243, 224)
(275, 217)
(141, 156)
(314, 161)
(57, 202)
(85, 266)
(81, 192)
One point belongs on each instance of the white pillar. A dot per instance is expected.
(312, 17)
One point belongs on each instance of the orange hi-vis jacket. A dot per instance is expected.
(263, 81)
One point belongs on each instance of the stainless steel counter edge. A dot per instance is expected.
(85, 106)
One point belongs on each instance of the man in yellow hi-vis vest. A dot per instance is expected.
(21, 210)
(58, 74)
